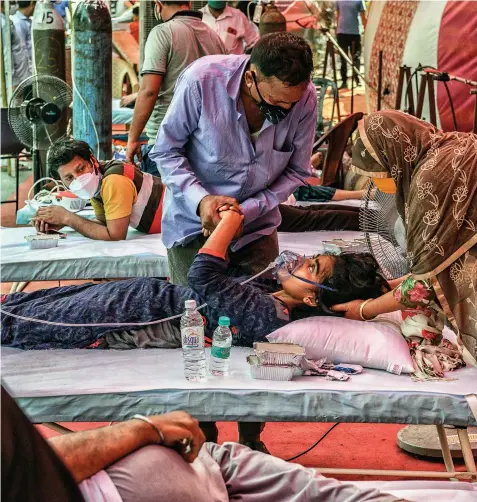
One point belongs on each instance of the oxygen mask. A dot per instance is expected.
(285, 266)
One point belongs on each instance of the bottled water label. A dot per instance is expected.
(193, 338)
(220, 352)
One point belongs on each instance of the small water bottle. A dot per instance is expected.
(221, 343)
(192, 335)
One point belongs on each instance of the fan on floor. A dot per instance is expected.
(384, 232)
(38, 114)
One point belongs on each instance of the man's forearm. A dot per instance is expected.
(145, 103)
(88, 228)
(88, 452)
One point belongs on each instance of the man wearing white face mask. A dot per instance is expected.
(121, 195)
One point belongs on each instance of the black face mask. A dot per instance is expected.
(272, 113)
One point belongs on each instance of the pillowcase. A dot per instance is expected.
(375, 344)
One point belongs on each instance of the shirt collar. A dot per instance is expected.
(235, 80)
(186, 13)
(21, 15)
(226, 13)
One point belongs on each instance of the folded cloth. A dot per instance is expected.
(322, 367)
(163, 336)
(432, 354)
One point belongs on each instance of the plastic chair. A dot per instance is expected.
(322, 85)
(337, 139)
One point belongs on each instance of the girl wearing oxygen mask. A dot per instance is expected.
(105, 312)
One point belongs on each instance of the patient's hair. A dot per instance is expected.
(355, 276)
(65, 150)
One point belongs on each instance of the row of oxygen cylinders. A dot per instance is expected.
(91, 65)
(91, 61)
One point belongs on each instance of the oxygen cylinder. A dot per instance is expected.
(48, 32)
(92, 76)
(272, 20)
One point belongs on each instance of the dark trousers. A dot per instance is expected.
(318, 217)
(31, 471)
(345, 41)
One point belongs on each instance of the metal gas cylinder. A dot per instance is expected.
(92, 74)
(272, 20)
(48, 32)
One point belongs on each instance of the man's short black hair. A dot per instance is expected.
(172, 2)
(64, 150)
(135, 10)
(285, 56)
(23, 5)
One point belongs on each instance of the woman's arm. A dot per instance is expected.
(373, 308)
(220, 239)
(409, 294)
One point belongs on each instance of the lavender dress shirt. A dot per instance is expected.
(204, 147)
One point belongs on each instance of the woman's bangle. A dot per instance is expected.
(361, 308)
(152, 424)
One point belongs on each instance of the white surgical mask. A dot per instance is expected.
(86, 185)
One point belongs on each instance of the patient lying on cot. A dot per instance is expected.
(308, 287)
(161, 458)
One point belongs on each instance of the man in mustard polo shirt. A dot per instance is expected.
(121, 195)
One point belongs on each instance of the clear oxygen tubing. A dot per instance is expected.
(148, 323)
(59, 187)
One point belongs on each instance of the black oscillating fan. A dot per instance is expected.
(384, 232)
(38, 114)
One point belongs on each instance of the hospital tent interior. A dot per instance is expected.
(356, 406)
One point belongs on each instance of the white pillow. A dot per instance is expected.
(377, 344)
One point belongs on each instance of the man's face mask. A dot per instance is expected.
(286, 265)
(217, 5)
(86, 185)
(274, 114)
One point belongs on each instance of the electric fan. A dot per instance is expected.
(384, 231)
(38, 114)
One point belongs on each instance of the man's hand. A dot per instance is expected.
(177, 426)
(133, 149)
(50, 218)
(209, 210)
(350, 309)
(129, 99)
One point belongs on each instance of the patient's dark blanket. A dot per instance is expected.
(132, 300)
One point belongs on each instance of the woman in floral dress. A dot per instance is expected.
(435, 174)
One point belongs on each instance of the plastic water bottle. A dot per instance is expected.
(221, 343)
(192, 335)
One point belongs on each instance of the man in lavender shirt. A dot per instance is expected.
(239, 131)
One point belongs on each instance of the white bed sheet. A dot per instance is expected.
(425, 491)
(77, 257)
(60, 385)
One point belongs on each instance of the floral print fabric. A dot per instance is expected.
(436, 195)
(422, 328)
